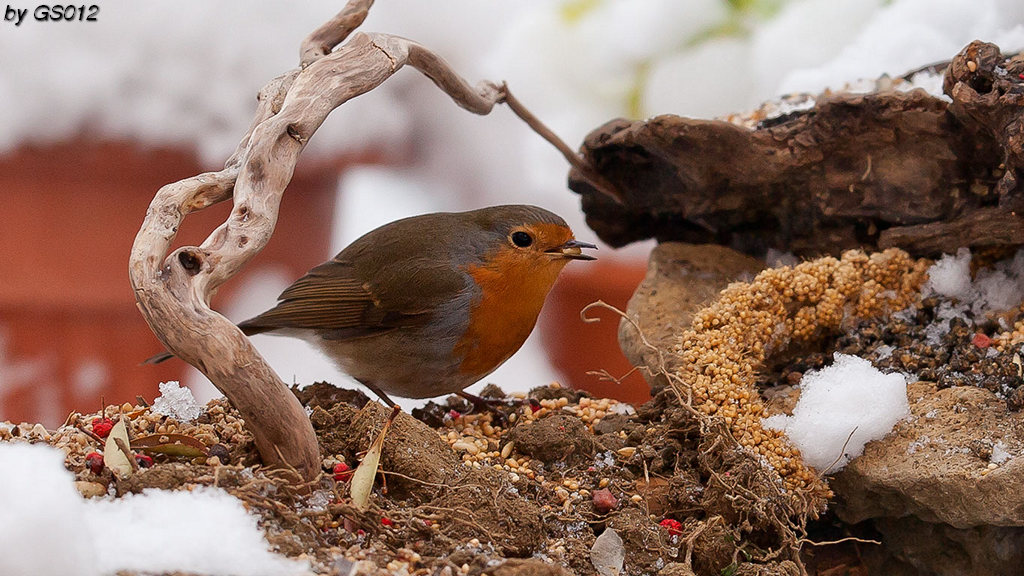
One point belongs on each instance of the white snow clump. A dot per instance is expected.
(851, 399)
(177, 401)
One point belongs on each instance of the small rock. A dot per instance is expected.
(608, 554)
(320, 418)
(604, 501)
(90, 489)
(981, 448)
(676, 569)
(611, 424)
(220, 452)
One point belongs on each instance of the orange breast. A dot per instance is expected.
(512, 293)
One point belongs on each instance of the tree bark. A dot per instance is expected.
(877, 170)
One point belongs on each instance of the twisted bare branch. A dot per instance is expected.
(173, 290)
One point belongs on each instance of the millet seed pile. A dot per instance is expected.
(730, 340)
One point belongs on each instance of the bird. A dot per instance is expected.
(428, 305)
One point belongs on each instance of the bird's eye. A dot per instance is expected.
(521, 239)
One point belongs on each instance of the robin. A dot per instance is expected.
(428, 305)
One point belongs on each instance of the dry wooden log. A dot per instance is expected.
(173, 290)
(875, 170)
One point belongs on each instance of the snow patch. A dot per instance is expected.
(48, 529)
(999, 453)
(851, 399)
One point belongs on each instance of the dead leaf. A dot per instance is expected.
(178, 445)
(362, 479)
(113, 457)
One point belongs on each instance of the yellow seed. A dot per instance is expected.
(466, 446)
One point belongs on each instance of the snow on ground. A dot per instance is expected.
(841, 408)
(994, 289)
(48, 529)
(951, 275)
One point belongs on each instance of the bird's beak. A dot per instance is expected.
(572, 250)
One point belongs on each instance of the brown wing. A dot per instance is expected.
(335, 301)
(327, 297)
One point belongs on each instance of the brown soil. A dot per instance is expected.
(475, 492)
(528, 489)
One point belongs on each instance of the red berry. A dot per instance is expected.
(144, 460)
(386, 521)
(674, 527)
(94, 461)
(454, 414)
(981, 341)
(342, 473)
(102, 426)
(534, 405)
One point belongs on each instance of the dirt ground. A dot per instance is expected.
(529, 488)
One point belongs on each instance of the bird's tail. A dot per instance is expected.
(158, 358)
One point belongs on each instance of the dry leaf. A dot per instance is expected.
(178, 445)
(113, 457)
(362, 479)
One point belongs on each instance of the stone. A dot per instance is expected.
(929, 466)
(420, 461)
(942, 550)
(944, 489)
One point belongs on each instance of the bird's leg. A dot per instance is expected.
(489, 404)
(380, 393)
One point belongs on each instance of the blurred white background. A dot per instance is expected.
(185, 72)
